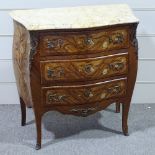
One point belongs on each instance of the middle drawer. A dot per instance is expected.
(83, 69)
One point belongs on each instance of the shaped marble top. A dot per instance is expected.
(74, 17)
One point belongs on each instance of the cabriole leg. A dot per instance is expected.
(117, 107)
(125, 111)
(23, 112)
(38, 129)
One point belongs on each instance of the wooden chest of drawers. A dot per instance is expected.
(75, 68)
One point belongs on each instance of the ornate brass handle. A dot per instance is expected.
(56, 72)
(83, 111)
(116, 38)
(114, 90)
(88, 68)
(54, 43)
(89, 41)
(56, 98)
(117, 66)
(88, 93)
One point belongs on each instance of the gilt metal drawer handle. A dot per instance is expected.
(117, 66)
(54, 43)
(116, 38)
(115, 90)
(83, 111)
(51, 73)
(88, 68)
(88, 93)
(89, 41)
(56, 98)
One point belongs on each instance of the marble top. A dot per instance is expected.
(74, 17)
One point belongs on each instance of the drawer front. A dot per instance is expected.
(83, 94)
(83, 69)
(82, 43)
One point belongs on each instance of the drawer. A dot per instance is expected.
(83, 94)
(84, 42)
(83, 69)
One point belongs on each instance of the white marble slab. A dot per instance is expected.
(74, 17)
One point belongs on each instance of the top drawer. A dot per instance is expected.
(85, 42)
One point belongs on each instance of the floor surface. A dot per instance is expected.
(98, 134)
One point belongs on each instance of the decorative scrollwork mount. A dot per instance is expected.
(133, 39)
(83, 111)
(33, 47)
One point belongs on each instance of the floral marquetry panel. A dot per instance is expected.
(83, 42)
(21, 48)
(81, 69)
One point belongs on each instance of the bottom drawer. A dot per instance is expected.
(83, 94)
